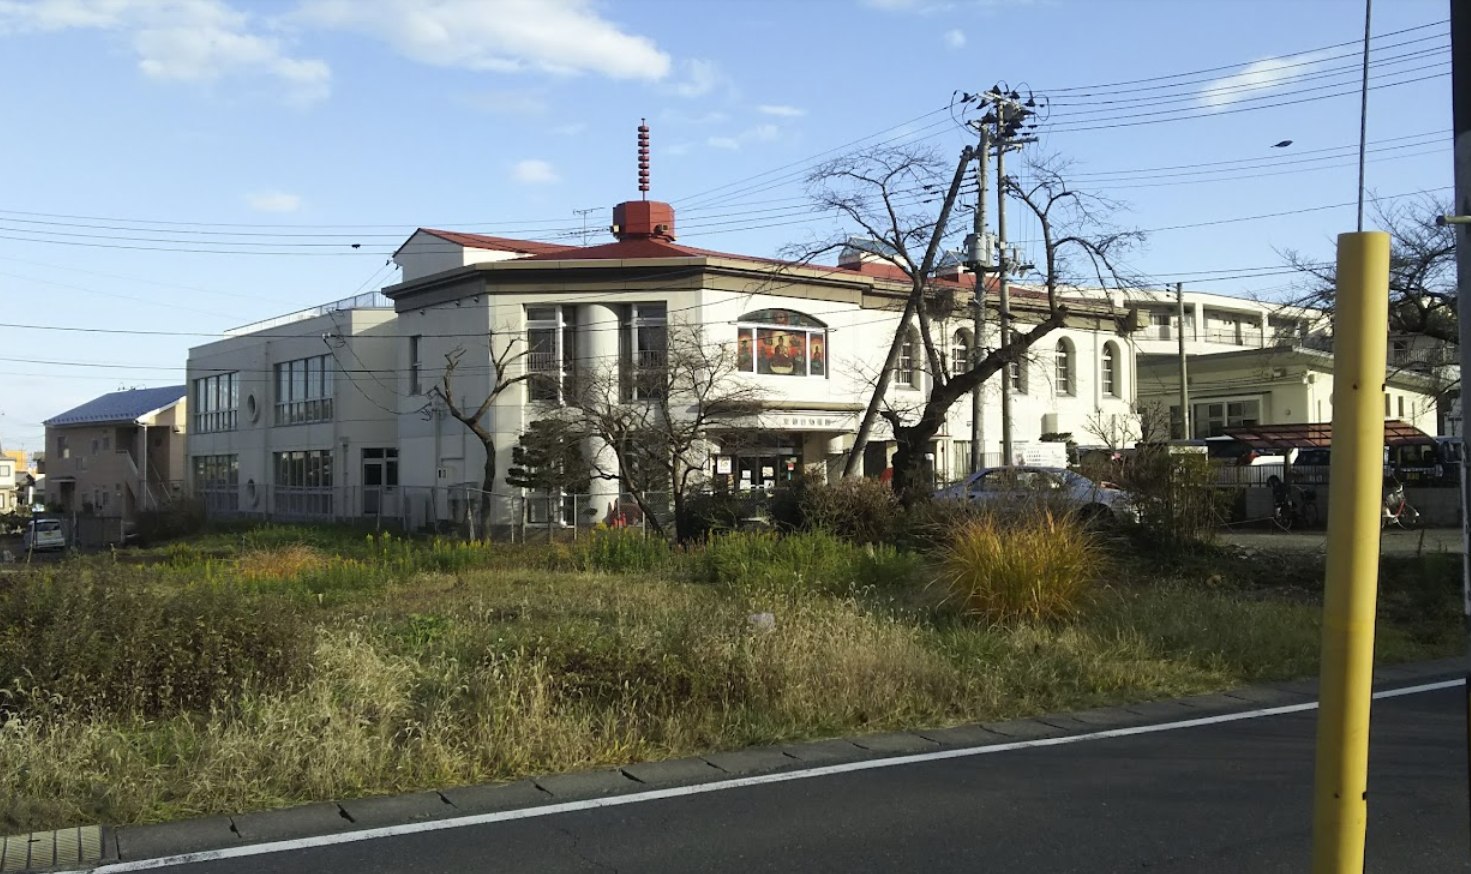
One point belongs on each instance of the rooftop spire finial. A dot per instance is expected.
(643, 158)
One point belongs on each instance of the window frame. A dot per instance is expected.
(906, 370)
(775, 323)
(304, 393)
(1110, 372)
(215, 402)
(1063, 374)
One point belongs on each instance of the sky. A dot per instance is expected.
(176, 168)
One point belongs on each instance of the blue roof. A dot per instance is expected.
(120, 406)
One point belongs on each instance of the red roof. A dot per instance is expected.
(499, 244)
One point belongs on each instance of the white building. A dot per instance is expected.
(295, 416)
(268, 438)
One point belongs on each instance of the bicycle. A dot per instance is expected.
(1396, 509)
(1292, 505)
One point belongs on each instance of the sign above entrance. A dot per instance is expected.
(799, 420)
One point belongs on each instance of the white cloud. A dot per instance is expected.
(534, 171)
(781, 111)
(508, 102)
(193, 41)
(1257, 79)
(955, 38)
(563, 37)
(700, 78)
(273, 201)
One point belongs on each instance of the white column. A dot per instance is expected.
(598, 327)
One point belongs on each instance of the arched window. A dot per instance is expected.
(1063, 359)
(1111, 375)
(1017, 371)
(960, 352)
(781, 343)
(906, 373)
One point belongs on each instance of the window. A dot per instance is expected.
(551, 351)
(303, 484)
(1016, 371)
(1212, 418)
(106, 442)
(647, 351)
(304, 390)
(1387, 402)
(1401, 403)
(63, 446)
(781, 343)
(414, 364)
(1399, 351)
(215, 399)
(960, 353)
(217, 481)
(1062, 358)
(906, 374)
(1111, 370)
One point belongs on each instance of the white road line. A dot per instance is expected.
(701, 789)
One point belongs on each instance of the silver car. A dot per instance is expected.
(1017, 487)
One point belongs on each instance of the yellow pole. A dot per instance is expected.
(1361, 314)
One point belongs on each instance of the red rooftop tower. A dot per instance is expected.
(643, 219)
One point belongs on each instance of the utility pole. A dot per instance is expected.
(980, 263)
(1185, 431)
(1461, 124)
(1003, 288)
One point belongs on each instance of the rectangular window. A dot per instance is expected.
(906, 375)
(303, 485)
(217, 482)
(63, 446)
(551, 351)
(304, 390)
(1400, 401)
(414, 364)
(1211, 419)
(213, 403)
(1387, 402)
(648, 350)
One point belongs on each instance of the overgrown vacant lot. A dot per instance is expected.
(274, 666)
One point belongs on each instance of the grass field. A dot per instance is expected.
(256, 668)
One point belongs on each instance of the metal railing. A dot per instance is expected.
(366, 300)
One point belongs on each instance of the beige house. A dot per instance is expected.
(117, 454)
(1278, 385)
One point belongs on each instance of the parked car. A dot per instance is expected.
(1016, 487)
(42, 534)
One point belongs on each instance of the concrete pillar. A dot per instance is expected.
(1199, 320)
(598, 330)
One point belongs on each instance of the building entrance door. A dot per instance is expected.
(380, 482)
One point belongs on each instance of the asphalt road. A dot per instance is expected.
(1231, 797)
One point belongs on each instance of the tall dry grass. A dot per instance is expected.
(1035, 567)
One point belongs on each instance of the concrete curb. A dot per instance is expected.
(131, 843)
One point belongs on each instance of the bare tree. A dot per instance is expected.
(473, 418)
(885, 192)
(658, 417)
(1422, 270)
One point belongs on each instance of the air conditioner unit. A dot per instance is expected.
(1049, 423)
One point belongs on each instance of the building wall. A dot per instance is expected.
(1289, 390)
(362, 347)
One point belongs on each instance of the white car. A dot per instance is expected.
(1014, 487)
(44, 534)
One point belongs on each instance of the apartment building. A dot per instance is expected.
(118, 453)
